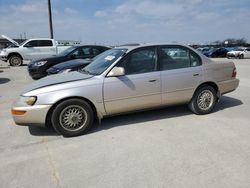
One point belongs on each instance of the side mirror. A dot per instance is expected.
(116, 71)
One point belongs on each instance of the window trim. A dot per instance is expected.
(39, 44)
(180, 47)
(138, 49)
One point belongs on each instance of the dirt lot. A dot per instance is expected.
(160, 148)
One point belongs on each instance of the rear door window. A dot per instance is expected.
(177, 58)
(45, 43)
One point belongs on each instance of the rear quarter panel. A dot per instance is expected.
(220, 72)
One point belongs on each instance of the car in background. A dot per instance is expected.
(32, 49)
(216, 52)
(37, 69)
(68, 66)
(126, 79)
(240, 53)
(204, 49)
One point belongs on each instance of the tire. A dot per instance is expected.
(241, 56)
(72, 117)
(15, 60)
(203, 100)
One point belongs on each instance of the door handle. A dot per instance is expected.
(196, 74)
(152, 80)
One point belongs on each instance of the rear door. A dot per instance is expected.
(30, 50)
(139, 88)
(46, 48)
(181, 73)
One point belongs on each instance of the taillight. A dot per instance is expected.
(234, 73)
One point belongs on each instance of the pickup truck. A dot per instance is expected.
(33, 49)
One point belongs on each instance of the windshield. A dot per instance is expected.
(103, 61)
(67, 51)
(22, 43)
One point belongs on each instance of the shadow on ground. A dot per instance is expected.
(140, 117)
(4, 80)
(42, 131)
(227, 102)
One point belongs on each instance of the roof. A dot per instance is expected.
(134, 46)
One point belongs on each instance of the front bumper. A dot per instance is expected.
(35, 114)
(36, 72)
(4, 58)
(3, 55)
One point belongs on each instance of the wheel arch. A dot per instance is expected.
(209, 83)
(14, 53)
(49, 113)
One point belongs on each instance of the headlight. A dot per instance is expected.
(28, 100)
(39, 63)
(66, 70)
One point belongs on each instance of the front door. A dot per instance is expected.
(139, 88)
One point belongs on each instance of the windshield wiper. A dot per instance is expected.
(84, 71)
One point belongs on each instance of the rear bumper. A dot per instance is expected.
(228, 86)
(33, 114)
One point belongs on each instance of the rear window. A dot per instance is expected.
(45, 43)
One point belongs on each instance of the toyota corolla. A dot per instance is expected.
(125, 79)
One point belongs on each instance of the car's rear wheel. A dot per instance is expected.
(72, 117)
(15, 60)
(203, 100)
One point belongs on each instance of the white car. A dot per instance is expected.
(240, 53)
(33, 49)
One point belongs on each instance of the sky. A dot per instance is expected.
(113, 22)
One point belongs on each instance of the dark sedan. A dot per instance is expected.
(216, 52)
(38, 68)
(69, 66)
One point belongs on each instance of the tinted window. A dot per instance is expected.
(86, 51)
(45, 43)
(95, 51)
(33, 43)
(176, 58)
(78, 52)
(194, 60)
(140, 61)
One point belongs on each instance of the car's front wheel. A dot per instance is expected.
(72, 117)
(15, 60)
(203, 100)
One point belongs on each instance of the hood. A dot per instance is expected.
(57, 79)
(53, 58)
(11, 40)
(72, 63)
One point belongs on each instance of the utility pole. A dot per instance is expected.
(50, 20)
